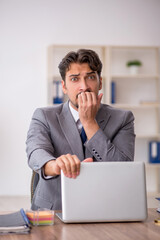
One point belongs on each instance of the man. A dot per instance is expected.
(54, 142)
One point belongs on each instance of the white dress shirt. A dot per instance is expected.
(75, 115)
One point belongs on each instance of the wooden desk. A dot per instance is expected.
(147, 230)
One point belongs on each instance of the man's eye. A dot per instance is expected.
(74, 79)
(92, 77)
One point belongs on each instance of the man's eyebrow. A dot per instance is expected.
(74, 75)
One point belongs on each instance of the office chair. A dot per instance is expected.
(34, 182)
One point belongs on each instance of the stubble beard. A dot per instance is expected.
(74, 104)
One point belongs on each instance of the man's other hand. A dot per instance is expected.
(69, 164)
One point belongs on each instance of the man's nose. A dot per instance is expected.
(84, 86)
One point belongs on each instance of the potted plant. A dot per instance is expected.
(134, 66)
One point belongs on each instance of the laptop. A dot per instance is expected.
(105, 192)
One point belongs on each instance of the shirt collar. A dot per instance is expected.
(74, 113)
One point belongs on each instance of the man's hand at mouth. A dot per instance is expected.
(88, 106)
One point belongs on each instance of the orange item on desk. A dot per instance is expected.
(41, 217)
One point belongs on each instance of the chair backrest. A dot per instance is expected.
(34, 182)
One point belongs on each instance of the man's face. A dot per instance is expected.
(80, 78)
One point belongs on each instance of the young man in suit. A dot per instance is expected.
(54, 142)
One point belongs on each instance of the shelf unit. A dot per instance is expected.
(139, 93)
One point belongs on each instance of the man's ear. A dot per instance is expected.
(64, 87)
(100, 83)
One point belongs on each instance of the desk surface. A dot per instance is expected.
(94, 231)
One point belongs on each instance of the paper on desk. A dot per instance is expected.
(16, 222)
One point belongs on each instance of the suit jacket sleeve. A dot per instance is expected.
(119, 146)
(39, 145)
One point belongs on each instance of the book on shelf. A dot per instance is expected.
(113, 92)
(58, 92)
(154, 152)
(158, 209)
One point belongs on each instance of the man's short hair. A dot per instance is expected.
(81, 56)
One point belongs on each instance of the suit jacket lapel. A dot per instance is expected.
(70, 131)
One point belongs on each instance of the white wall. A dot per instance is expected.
(27, 28)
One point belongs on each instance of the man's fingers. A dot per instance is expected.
(61, 164)
(89, 98)
(69, 164)
(88, 160)
(78, 163)
(79, 100)
(86, 99)
(83, 97)
(74, 166)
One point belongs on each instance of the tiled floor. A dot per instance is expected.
(15, 203)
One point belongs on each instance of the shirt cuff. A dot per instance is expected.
(46, 177)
